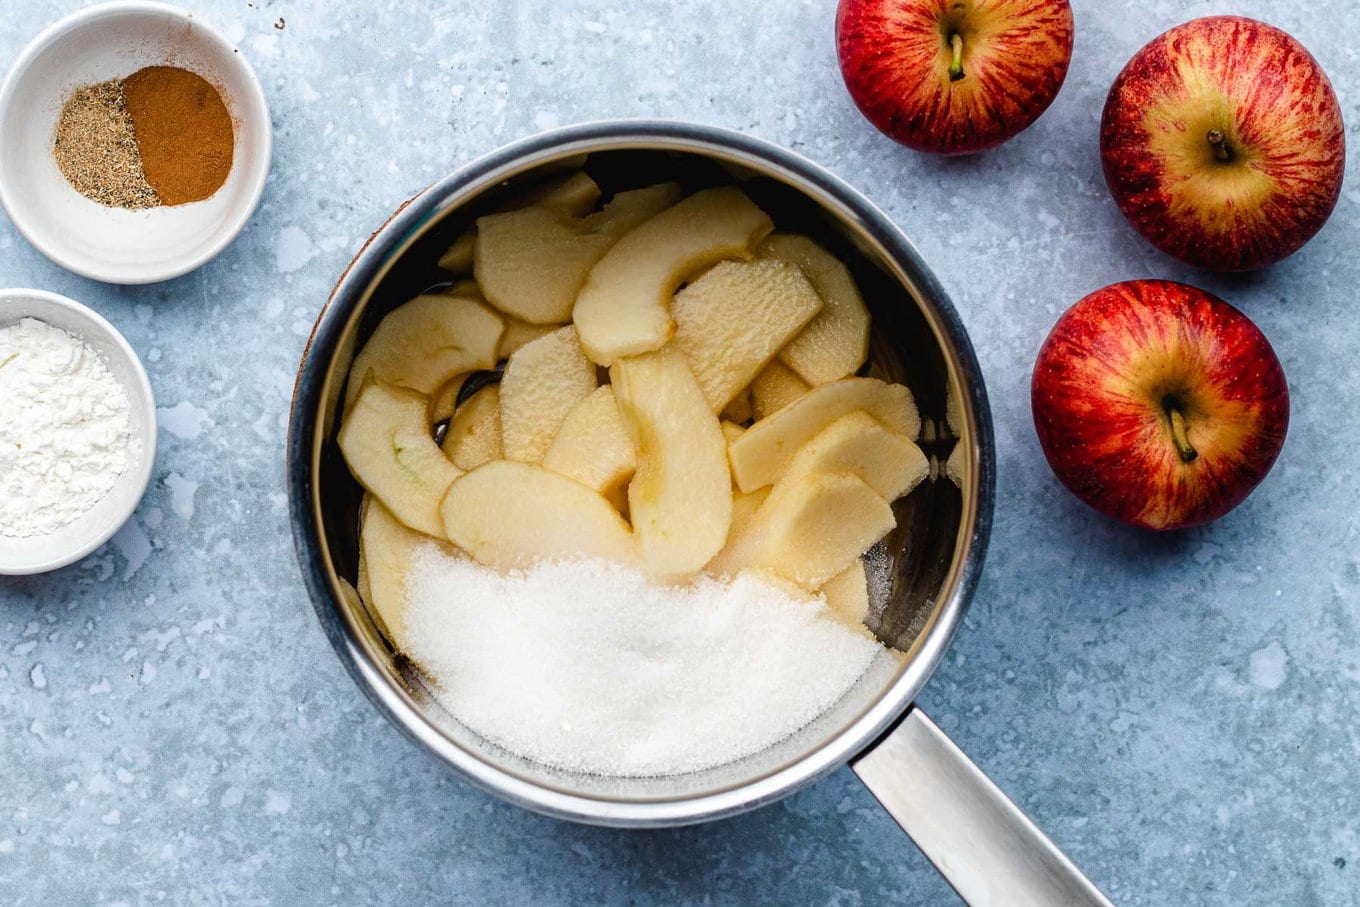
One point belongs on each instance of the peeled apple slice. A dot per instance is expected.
(734, 551)
(836, 342)
(519, 333)
(428, 342)
(731, 321)
(767, 448)
(739, 410)
(593, 446)
(386, 441)
(531, 262)
(543, 381)
(444, 400)
(680, 500)
(624, 307)
(859, 445)
(954, 466)
(474, 433)
(628, 209)
(809, 529)
(819, 525)
(574, 194)
(774, 388)
(847, 594)
(458, 258)
(511, 515)
(387, 547)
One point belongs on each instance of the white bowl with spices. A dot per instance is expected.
(123, 241)
(77, 431)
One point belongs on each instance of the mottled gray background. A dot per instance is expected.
(1179, 712)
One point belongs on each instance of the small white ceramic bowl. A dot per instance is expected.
(39, 554)
(112, 244)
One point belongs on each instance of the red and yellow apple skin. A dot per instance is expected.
(1159, 404)
(907, 76)
(1222, 143)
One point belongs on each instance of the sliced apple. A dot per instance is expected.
(386, 441)
(774, 388)
(574, 194)
(511, 515)
(518, 333)
(954, 466)
(680, 499)
(531, 262)
(836, 342)
(474, 433)
(593, 446)
(739, 410)
(542, 382)
(731, 321)
(847, 594)
(767, 448)
(427, 342)
(387, 547)
(744, 509)
(630, 208)
(624, 307)
(445, 399)
(809, 529)
(458, 258)
(858, 444)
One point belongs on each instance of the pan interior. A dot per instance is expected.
(916, 566)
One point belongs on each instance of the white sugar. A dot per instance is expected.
(590, 667)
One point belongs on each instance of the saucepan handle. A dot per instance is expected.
(984, 846)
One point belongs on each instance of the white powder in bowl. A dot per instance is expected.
(590, 667)
(65, 424)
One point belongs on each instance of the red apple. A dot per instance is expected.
(953, 76)
(1159, 404)
(1223, 144)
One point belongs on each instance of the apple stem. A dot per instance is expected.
(956, 67)
(1219, 143)
(1181, 435)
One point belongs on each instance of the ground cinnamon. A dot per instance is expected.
(183, 131)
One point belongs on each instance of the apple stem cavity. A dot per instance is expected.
(1219, 143)
(956, 67)
(1180, 434)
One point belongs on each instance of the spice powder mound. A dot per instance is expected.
(183, 132)
(96, 150)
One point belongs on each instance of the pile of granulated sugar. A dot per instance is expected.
(588, 666)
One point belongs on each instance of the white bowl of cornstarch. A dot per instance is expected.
(77, 431)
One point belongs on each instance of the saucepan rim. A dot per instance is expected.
(386, 247)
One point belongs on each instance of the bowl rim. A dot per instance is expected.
(386, 246)
(96, 15)
(147, 434)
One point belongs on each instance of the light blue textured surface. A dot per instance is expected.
(1179, 712)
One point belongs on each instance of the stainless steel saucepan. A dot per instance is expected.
(986, 847)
